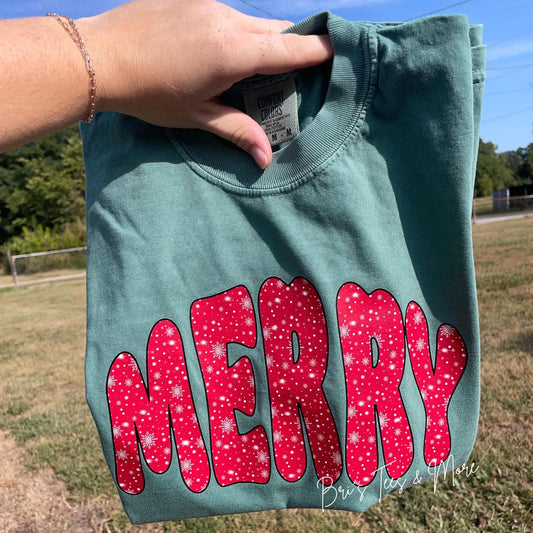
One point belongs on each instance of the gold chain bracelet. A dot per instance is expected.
(72, 30)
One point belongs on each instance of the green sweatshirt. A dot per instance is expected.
(306, 335)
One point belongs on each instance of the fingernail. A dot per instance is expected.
(259, 156)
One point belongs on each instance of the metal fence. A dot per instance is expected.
(501, 204)
(12, 260)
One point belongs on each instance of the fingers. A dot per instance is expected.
(277, 53)
(240, 129)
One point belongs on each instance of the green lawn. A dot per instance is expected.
(42, 406)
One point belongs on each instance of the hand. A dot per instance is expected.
(166, 61)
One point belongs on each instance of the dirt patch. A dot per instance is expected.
(37, 502)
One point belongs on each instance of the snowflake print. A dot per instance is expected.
(218, 350)
(227, 425)
(177, 391)
(354, 437)
(446, 330)
(186, 465)
(170, 331)
(420, 344)
(266, 333)
(249, 321)
(348, 359)
(337, 458)
(379, 340)
(418, 317)
(296, 326)
(352, 411)
(111, 381)
(148, 440)
(246, 303)
(140, 416)
(383, 420)
(344, 330)
(262, 457)
(122, 455)
(365, 361)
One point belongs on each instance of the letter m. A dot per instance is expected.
(144, 417)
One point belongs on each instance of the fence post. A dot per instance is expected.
(13, 268)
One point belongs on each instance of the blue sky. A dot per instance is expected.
(507, 118)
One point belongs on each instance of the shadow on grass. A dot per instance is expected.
(522, 342)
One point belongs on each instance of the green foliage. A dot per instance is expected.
(70, 235)
(521, 164)
(42, 184)
(492, 171)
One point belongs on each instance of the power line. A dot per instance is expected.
(441, 9)
(507, 73)
(511, 67)
(511, 37)
(249, 4)
(503, 93)
(519, 112)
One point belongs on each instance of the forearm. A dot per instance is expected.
(162, 61)
(44, 80)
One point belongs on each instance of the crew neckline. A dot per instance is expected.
(339, 118)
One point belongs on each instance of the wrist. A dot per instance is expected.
(72, 29)
(101, 51)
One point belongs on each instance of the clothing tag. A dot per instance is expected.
(275, 108)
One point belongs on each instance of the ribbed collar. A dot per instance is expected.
(339, 117)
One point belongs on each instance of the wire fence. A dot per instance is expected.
(482, 208)
(499, 205)
(49, 260)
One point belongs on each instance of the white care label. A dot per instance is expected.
(275, 108)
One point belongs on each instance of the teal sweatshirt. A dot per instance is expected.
(306, 335)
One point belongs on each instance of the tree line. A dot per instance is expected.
(42, 188)
(497, 171)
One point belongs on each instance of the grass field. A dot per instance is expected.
(42, 407)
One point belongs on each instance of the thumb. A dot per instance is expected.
(240, 129)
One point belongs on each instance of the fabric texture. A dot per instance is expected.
(261, 339)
